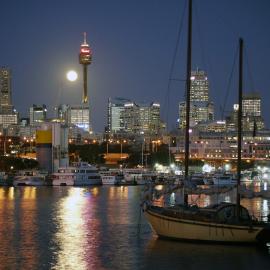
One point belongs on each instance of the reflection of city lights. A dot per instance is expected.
(29, 192)
(95, 191)
(11, 193)
(71, 238)
(2, 193)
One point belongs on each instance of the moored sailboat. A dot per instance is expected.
(224, 222)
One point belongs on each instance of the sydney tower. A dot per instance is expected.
(85, 58)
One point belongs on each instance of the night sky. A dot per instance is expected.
(133, 42)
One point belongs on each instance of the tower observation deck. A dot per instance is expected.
(85, 59)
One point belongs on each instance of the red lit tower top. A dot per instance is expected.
(85, 56)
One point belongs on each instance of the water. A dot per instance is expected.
(98, 228)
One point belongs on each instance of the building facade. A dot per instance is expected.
(201, 108)
(37, 114)
(79, 116)
(252, 119)
(116, 108)
(126, 116)
(223, 146)
(8, 115)
(5, 91)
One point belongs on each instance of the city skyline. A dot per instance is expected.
(133, 44)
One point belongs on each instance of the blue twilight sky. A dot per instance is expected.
(133, 42)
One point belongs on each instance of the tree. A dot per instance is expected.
(161, 156)
(88, 152)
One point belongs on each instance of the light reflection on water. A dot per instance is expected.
(98, 228)
(70, 236)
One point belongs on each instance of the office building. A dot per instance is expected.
(37, 114)
(5, 91)
(115, 120)
(126, 116)
(79, 116)
(252, 119)
(8, 115)
(201, 108)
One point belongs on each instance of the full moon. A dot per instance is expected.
(72, 75)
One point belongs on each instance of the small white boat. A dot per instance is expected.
(132, 175)
(110, 177)
(28, 181)
(30, 178)
(80, 174)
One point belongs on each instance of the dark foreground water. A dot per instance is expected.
(98, 228)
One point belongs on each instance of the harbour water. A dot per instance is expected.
(102, 228)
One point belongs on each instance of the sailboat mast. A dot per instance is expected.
(239, 136)
(188, 74)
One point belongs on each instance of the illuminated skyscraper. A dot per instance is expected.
(5, 91)
(252, 105)
(8, 115)
(116, 107)
(252, 113)
(199, 86)
(201, 109)
(78, 115)
(125, 116)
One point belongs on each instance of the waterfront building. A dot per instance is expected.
(52, 146)
(37, 114)
(223, 145)
(201, 108)
(212, 126)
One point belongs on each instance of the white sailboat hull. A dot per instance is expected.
(184, 229)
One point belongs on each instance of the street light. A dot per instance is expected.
(142, 133)
(121, 148)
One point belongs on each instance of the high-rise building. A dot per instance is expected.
(5, 91)
(252, 119)
(8, 115)
(199, 86)
(78, 115)
(37, 114)
(252, 114)
(201, 109)
(116, 108)
(149, 118)
(251, 105)
(125, 116)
